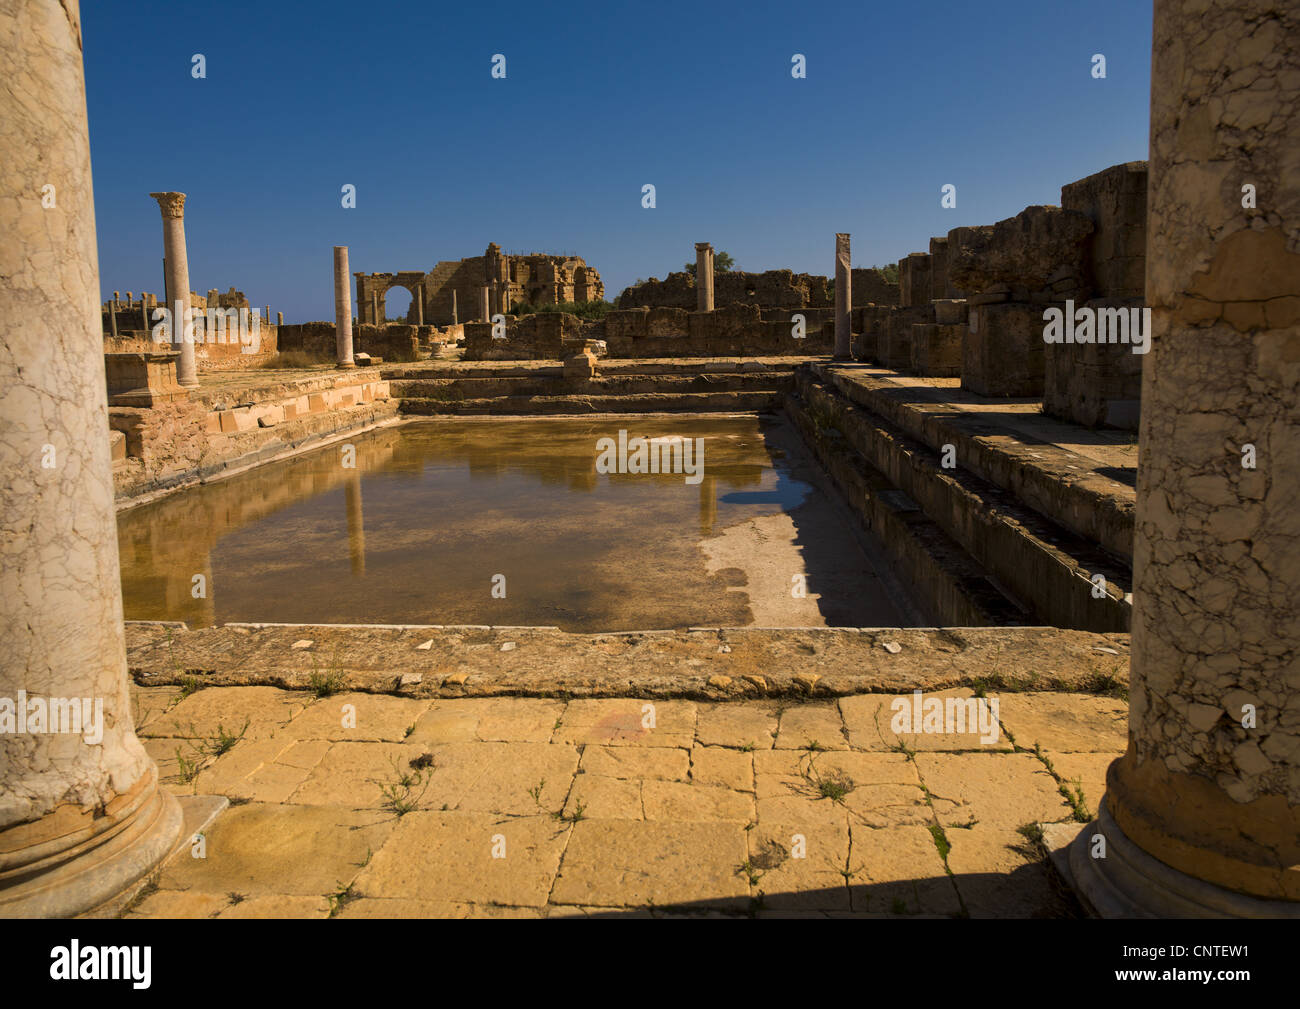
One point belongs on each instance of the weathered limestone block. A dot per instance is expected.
(914, 280)
(1002, 350)
(1094, 384)
(1115, 200)
(1040, 247)
(936, 350)
(950, 311)
(894, 350)
(144, 379)
(939, 284)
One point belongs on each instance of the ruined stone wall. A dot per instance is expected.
(772, 289)
(534, 279)
(733, 331)
(210, 430)
(392, 342)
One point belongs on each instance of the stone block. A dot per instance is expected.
(936, 350)
(1115, 200)
(143, 379)
(950, 311)
(1094, 384)
(1025, 252)
(1003, 350)
(914, 280)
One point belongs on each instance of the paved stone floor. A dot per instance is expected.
(370, 805)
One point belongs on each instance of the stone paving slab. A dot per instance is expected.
(584, 811)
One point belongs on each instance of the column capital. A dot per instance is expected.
(171, 204)
(703, 246)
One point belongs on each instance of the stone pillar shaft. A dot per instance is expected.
(485, 309)
(419, 304)
(172, 206)
(1210, 784)
(703, 277)
(342, 308)
(81, 814)
(843, 294)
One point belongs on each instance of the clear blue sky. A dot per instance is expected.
(695, 98)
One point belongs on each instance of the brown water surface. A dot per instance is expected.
(435, 510)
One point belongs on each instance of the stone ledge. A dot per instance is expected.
(761, 662)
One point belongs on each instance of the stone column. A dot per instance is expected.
(279, 316)
(419, 304)
(703, 277)
(172, 206)
(374, 309)
(81, 818)
(1202, 814)
(455, 321)
(484, 307)
(112, 315)
(843, 294)
(342, 308)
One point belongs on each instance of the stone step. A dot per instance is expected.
(584, 403)
(950, 584)
(1046, 569)
(488, 386)
(434, 369)
(1073, 491)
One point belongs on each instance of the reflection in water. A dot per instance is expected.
(449, 504)
(356, 527)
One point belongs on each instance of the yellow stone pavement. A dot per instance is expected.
(369, 805)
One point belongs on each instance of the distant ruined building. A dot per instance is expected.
(469, 290)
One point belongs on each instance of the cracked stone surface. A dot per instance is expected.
(346, 814)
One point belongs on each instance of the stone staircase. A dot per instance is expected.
(536, 388)
(988, 540)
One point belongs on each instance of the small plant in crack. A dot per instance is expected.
(223, 742)
(236, 898)
(400, 796)
(1073, 793)
(186, 770)
(834, 786)
(748, 747)
(325, 683)
(579, 813)
(813, 746)
(536, 793)
(340, 898)
(940, 842)
(750, 871)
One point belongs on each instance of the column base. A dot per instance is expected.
(1129, 883)
(93, 876)
(346, 364)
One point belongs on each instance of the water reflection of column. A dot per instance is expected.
(356, 527)
(708, 505)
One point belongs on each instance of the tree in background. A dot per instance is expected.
(722, 263)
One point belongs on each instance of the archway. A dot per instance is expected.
(396, 304)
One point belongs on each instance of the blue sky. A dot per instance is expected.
(695, 98)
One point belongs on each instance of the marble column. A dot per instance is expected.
(419, 304)
(342, 308)
(81, 813)
(374, 309)
(1201, 815)
(484, 306)
(172, 206)
(843, 294)
(279, 316)
(703, 277)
